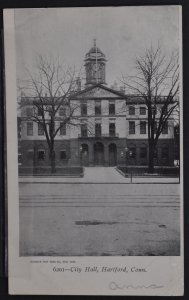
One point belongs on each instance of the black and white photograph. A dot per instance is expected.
(98, 131)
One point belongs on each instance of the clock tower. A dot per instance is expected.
(95, 62)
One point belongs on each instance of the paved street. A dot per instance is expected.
(99, 219)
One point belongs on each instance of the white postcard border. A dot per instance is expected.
(40, 275)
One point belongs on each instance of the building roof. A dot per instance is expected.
(99, 91)
(94, 50)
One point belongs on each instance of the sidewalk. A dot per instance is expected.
(98, 175)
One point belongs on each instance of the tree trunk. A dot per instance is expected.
(52, 159)
(151, 157)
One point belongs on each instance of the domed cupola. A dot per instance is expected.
(95, 62)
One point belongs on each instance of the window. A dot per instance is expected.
(165, 152)
(62, 129)
(30, 128)
(83, 109)
(62, 111)
(132, 152)
(164, 110)
(63, 154)
(154, 110)
(131, 110)
(142, 110)
(111, 108)
(40, 129)
(165, 128)
(131, 127)
(97, 129)
(142, 127)
(97, 107)
(143, 152)
(29, 111)
(112, 129)
(39, 111)
(30, 154)
(41, 155)
(84, 130)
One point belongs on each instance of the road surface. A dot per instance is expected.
(99, 219)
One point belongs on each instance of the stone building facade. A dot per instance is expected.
(112, 127)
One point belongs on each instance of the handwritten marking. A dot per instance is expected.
(115, 286)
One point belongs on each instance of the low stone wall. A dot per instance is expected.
(143, 171)
(46, 171)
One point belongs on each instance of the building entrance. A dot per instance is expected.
(98, 154)
(112, 155)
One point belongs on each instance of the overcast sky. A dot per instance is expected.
(122, 33)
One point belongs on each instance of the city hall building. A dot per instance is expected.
(112, 127)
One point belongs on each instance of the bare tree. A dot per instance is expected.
(157, 82)
(49, 91)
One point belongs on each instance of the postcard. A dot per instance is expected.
(94, 150)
